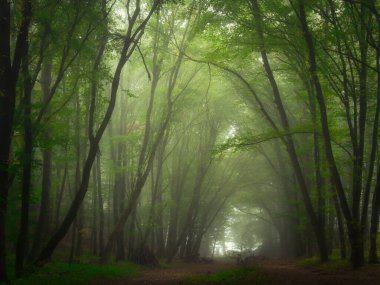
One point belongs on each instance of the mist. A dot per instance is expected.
(171, 134)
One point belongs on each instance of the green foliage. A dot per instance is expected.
(240, 142)
(213, 110)
(76, 274)
(130, 94)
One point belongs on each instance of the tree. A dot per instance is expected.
(9, 76)
(354, 220)
(133, 35)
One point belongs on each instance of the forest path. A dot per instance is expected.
(278, 272)
(286, 272)
(174, 274)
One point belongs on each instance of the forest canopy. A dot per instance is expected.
(149, 130)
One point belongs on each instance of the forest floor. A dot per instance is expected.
(173, 274)
(268, 272)
(290, 272)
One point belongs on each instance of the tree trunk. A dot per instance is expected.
(78, 156)
(373, 258)
(146, 156)
(22, 241)
(132, 234)
(42, 228)
(120, 249)
(155, 216)
(94, 231)
(207, 139)
(342, 236)
(353, 225)
(8, 79)
(73, 241)
(100, 204)
(60, 195)
(315, 223)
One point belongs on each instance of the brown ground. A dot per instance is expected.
(174, 275)
(288, 273)
(280, 272)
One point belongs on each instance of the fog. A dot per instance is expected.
(158, 131)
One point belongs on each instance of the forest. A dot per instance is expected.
(162, 132)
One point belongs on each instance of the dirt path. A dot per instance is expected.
(174, 275)
(279, 272)
(287, 273)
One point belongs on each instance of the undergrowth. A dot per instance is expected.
(335, 263)
(76, 274)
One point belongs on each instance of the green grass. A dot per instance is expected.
(77, 274)
(238, 276)
(334, 264)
